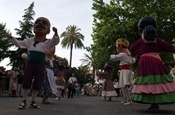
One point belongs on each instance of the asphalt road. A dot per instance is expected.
(90, 105)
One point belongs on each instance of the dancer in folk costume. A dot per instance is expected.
(37, 47)
(108, 90)
(153, 83)
(125, 78)
(60, 79)
(48, 85)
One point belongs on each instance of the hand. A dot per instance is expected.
(112, 56)
(55, 30)
(133, 60)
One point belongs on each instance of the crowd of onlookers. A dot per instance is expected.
(11, 81)
(11, 84)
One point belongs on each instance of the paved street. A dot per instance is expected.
(80, 106)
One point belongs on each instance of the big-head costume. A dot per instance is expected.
(125, 59)
(37, 47)
(153, 82)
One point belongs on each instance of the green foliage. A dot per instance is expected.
(25, 31)
(82, 75)
(4, 43)
(119, 18)
(88, 60)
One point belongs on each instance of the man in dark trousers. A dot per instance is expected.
(71, 85)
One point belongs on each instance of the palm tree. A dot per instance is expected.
(72, 37)
(82, 75)
(88, 61)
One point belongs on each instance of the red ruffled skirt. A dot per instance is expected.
(153, 83)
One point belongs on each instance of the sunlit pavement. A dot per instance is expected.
(90, 105)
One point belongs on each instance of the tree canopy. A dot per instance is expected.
(4, 43)
(119, 18)
(24, 32)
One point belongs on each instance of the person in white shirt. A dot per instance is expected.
(117, 87)
(71, 85)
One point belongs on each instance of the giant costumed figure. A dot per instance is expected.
(37, 47)
(153, 83)
(125, 59)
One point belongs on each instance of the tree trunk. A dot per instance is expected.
(93, 75)
(71, 48)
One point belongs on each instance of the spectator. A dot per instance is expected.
(2, 73)
(71, 85)
(14, 88)
(117, 87)
(19, 84)
(13, 77)
(77, 89)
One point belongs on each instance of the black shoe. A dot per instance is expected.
(109, 99)
(153, 107)
(22, 105)
(45, 102)
(104, 98)
(34, 105)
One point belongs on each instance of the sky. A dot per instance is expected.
(61, 13)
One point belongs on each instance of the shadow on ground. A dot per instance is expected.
(158, 112)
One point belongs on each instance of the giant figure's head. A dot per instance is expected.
(147, 28)
(121, 45)
(42, 26)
